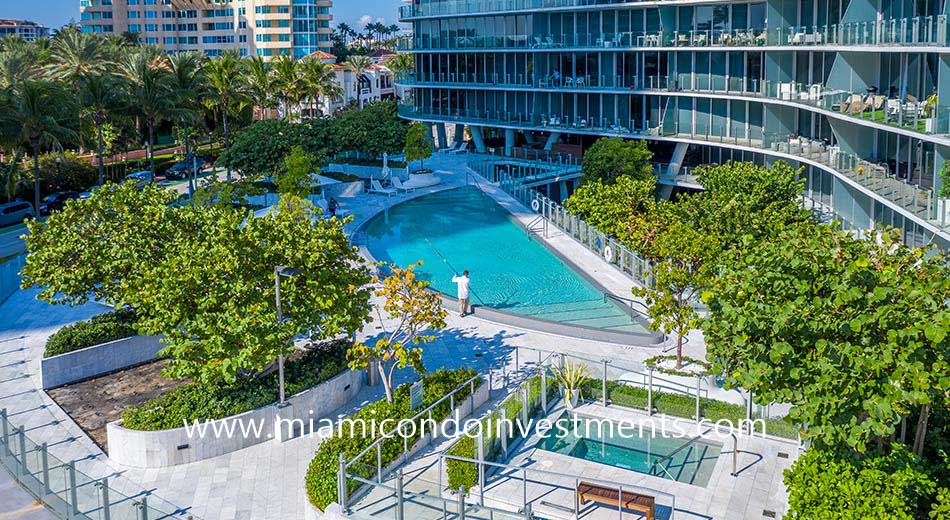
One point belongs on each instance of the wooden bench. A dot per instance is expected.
(590, 492)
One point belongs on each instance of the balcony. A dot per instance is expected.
(926, 117)
(911, 198)
(929, 31)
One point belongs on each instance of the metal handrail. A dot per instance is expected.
(426, 410)
(681, 448)
(630, 303)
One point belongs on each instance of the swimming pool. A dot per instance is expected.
(679, 459)
(459, 229)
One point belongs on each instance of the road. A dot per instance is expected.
(12, 244)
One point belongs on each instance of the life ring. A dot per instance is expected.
(608, 254)
(536, 205)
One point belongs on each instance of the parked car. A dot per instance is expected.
(184, 169)
(57, 201)
(88, 193)
(15, 212)
(141, 179)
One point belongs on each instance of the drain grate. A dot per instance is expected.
(768, 514)
(782, 455)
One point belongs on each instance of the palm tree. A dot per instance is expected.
(345, 31)
(189, 87)
(359, 64)
(149, 86)
(11, 177)
(226, 83)
(75, 55)
(260, 83)
(18, 63)
(288, 84)
(319, 79)
(35, 116)
(99, 95)
(401, 63)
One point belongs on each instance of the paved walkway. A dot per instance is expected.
(264, 481)
(16, 503)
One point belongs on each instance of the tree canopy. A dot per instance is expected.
(202, 275)
(851, 332)
(610, 158)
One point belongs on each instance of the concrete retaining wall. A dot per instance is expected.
(343, 190)
(97, 360)
(159, 449)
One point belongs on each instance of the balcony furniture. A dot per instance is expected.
(893, 107)
(580, 82)
(699, 40)
(568, 82)
(725, 39)
(812, 93)
(544, 82)
(682, 40)
(785, 91)
(538, 44)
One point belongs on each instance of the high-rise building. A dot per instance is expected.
(268, 28)
(856, 93)
(29, 31)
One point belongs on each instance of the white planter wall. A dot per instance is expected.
(98, 360)
(159, 449)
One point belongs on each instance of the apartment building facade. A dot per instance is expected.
(268, 28)
(29, 31)
(856, 92)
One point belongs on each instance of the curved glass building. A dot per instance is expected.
(855, 91)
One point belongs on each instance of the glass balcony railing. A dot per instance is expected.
(454, 7)
(926, 117)
(918, 31)
(913, 198)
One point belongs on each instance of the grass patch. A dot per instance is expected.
(321, 481)
(193, 401)
(342, 177)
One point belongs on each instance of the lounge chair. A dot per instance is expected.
(450, 149)
(376, 187)
(462, 148)
(397, 183)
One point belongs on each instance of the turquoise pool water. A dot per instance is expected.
(461, 229)
(693, 464)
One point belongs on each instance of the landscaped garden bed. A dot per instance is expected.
(118, 324)
(192, 402)
(678, 405)
(321, 478)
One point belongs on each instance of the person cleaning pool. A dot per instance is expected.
(463, 284)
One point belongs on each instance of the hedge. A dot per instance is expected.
(193, 401)
(679, 405)
(118, 324)
(463, 473)
(321, 480)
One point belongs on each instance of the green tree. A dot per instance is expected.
(418, 143)
(213, 297)
(96, 250)
(259, 81)
(374, 129)
(852, 333)
(296, 180)
(682, 255)
(226, 85)
(611, 206)
(100, 96)
(37, 115)
(259, 150)
(359, 66)
(823, 484)
(612, 157)
(189, 87)
(288, 84)
(202, 274)
(414, 309)
(319, 80)
(149, 85)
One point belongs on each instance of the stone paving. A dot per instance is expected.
(266, 481)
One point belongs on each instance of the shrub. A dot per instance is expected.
(321, 480)
(463, 473)
(99, 329)
(825, 484)
(196, 402)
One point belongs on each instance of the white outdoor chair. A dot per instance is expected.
(376, 187)
(397, 183)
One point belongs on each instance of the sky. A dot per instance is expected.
(55, 13)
